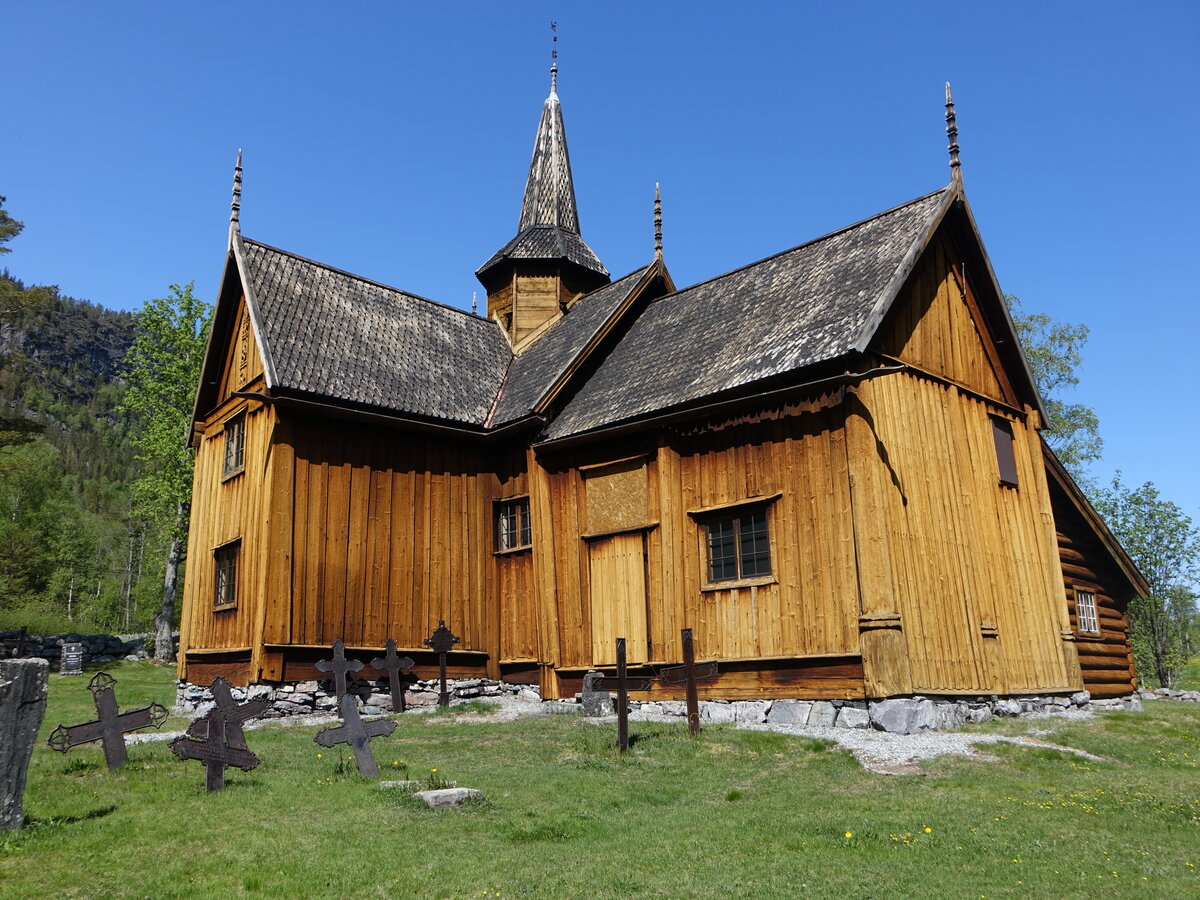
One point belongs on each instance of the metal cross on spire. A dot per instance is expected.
(952, 134)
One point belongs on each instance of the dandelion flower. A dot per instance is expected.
(319, 756)
(849, 834)
(928, 830)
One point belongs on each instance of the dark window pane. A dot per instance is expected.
(1002, 434)
(235, 430)
(512, 524)
(754, 544)
(722, 550)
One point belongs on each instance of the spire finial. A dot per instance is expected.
(474, 303)
(235, 207)
(554, 58)
(952, 134)
(658, 251)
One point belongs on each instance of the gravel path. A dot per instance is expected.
(876, 751)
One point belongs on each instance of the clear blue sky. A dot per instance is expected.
(393, 140)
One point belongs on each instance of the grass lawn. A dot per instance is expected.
(732, 814)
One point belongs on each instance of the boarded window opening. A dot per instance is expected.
(1006, 460)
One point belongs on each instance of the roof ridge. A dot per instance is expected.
(808, 243)
(364, 279)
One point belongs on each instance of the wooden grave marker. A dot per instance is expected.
(689, 674)
(216, 748)
(441, 641)
(358, 734)
(339, 666)
(111, 726)
(394, 665)
(622, 684)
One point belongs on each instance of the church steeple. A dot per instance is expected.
(531, 278)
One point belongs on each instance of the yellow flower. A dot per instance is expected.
(928, 830)
(318, 756)
(433, 770)
(849, 834)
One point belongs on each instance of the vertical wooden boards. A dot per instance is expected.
(936, 325)
(536, 300)
(617, 570)
(969, 556)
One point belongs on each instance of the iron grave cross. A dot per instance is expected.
(440, 642)
(339, 666)
(216, 750)
(110, 726)
(394, 665)
(690, 674)
(622, 684)
(357, 733)
(233, 714)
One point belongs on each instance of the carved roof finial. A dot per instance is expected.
(554, 58)
(952, 134)
(235, 207)
(474, 304)
(658, 250)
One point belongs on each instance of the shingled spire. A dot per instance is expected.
(532, 277)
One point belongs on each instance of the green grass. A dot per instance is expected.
(731, 814)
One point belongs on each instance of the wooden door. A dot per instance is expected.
(617, 567)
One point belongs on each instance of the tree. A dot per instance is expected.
(163, 369)
(9, 228)
(1053, 350)
(1165, 545)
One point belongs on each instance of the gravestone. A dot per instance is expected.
(689, 675)
(394, 665)
(110, 726)
(596, 703)
(339, 666)
(358, 734)
(71, 661)
(441, 641)
(233, 714)
(215, 749)
(622, 684)
(22, 705)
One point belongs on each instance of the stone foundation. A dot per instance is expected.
(308, 697)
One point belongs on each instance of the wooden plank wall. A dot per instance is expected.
(964, 553)
(809, 610)
(513, 592)
(390, 533)
(1106, 659)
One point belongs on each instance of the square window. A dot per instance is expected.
(235, 445)
(739, 545)
(1085, 612)
(512, 524)
(226, 561)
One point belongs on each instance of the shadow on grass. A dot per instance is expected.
(98, 813)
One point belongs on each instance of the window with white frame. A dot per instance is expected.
(512, 524)
(1085, 612)
(235, 446)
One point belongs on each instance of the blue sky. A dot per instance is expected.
(393, 140)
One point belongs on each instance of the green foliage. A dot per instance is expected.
(1165, 545)
(706, 817)
(9, 227)
(1053, 350)
(162, 369)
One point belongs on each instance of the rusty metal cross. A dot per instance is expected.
(394, 665)
(339, 666)
(358, 734)
(689, 674)
(440, 642)
(232, 712)
(215, 749)
(622, 684)
(111, 725)
(19, 643)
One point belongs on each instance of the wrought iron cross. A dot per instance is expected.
(622, 684)
(440, 642)
(358, 734)
(689, 674)
(232, 712)
(111, 725)
(339, 666)
(394, 665)
(216, 748)
(18, 644)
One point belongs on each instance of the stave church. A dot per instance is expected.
(826, 463)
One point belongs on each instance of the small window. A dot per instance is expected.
(1085, 612)
(226, 560)
(1002, 434)
(235, 445)
(739, 546)
(512, 524)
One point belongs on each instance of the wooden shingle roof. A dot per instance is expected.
(807, 305)
(329, 334)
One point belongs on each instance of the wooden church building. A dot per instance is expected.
(826, 463)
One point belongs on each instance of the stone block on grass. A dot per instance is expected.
(445, 798)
